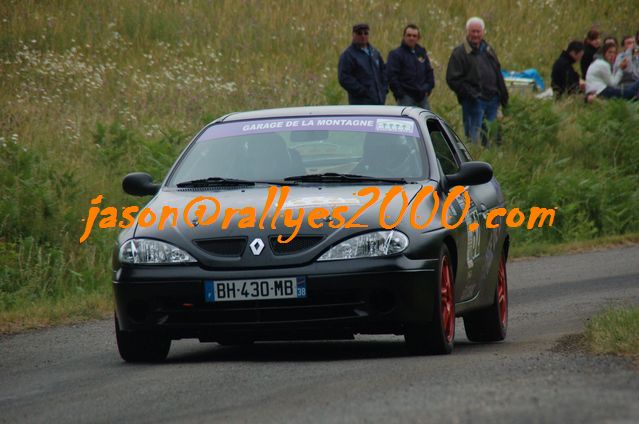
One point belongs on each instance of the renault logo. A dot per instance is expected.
(257, 246)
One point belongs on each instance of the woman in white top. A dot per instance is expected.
(600, 80)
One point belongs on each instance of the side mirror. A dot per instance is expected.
(471, 173)
(139, 184)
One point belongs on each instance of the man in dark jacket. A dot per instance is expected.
(361, 70)
(410, 74)
(591, 46)
(474, 74)
(565, 80)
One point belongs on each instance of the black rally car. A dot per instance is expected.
(234, 283)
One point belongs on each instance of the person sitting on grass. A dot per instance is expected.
(591, 45)
(611, 39)
(629, 51)
(565, 80)
(601, 82)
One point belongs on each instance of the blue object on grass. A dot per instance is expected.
(528, 73)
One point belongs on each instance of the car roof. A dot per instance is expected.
(323, 111)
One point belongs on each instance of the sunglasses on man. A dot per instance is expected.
(362, 32)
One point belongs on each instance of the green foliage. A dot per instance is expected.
(581, 159)
(28, 199)
(122, 149)
(334, 93)
(618, 122)
(43, 204)
(113, 142)
(32, 271)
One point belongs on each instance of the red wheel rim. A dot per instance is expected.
(502, 293)
(448, 302)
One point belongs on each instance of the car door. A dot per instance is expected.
(469, 242)
(487, 197)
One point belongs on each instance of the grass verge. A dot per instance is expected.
(614, 331)
(546, 249)
(70, 309)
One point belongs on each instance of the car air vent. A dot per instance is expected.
(229, 246)
(298, 244)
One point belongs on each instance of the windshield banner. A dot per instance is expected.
(390, 125)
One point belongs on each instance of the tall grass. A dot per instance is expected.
(91, 90)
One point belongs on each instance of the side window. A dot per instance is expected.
(445, 155)
(465, 156)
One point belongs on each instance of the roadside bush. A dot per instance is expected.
(583, 160)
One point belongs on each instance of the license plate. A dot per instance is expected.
(256, 289)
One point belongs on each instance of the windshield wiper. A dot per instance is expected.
(335, 177)
(220, 181)
(214, 181)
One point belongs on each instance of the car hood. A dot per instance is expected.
(218, 248)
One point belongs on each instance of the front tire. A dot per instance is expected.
(437, 337)
(490, 324)
(137, 346)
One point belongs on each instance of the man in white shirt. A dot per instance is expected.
(630, 51)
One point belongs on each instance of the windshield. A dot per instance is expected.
(275, 149)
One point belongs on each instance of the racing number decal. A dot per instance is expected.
(472, 252)
(474, 237)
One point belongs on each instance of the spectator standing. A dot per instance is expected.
(410, 74)
(361, 70)
(601, 81)
(565, 80)
(591, 45)
(474, 74)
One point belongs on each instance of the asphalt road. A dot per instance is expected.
(74, 374)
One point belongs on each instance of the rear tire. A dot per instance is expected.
(138, 346)
(491, 324)
(437, 337)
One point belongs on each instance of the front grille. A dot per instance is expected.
(298, 244)
(319, 305)
(228, 246)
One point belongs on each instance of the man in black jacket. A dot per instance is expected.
(361, 70)
(410, 74)
(474, 74)
(591, 46)
(565, 80)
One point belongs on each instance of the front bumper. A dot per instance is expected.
(370, 296)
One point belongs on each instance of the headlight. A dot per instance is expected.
(152, 252)
(379, 243)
